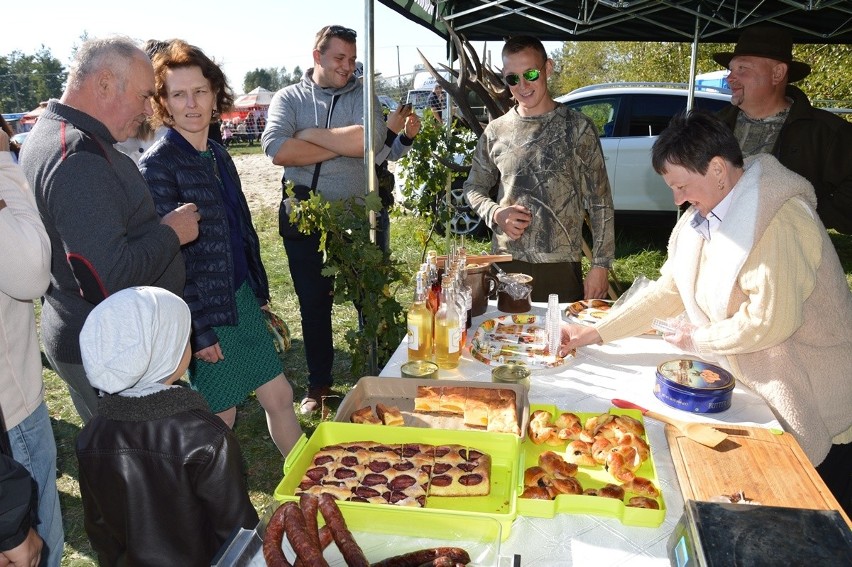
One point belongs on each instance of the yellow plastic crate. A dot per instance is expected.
(503, 449)
(589, 477)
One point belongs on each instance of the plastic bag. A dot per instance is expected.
(640, 285)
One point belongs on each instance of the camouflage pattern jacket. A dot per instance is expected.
(553, 165)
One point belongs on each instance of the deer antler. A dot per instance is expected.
(471, 77)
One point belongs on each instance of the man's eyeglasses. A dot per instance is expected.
(530, 75)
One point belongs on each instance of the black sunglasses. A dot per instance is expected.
(339, 31)
(529, 75)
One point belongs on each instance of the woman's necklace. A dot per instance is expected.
(209, 153)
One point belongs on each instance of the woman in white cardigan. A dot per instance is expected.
(755, 285)
(24, 277)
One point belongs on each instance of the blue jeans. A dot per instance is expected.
(34, 447)
(315, 292)
(84, 396)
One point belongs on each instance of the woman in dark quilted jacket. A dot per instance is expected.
(226, 284)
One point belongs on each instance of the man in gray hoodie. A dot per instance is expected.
(315, 129)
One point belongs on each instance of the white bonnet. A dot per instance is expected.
(135, 337)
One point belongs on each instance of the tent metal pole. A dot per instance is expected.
(448, 123)
(369, 90)
(693, 64)
(369, 151)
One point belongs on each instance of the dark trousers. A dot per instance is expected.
(383, 230)
(315, 293)
(836, 472)
(562, 278)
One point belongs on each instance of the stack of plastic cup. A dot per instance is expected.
(553, 324)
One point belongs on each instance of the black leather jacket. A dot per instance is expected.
(817, 145)
(176, 174)
(161, 480)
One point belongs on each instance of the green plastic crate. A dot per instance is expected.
(500, 503)
(589, 477)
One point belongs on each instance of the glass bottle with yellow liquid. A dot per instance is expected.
(433, 283)
(447, 328)
(420, 321)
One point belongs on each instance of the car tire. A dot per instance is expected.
(465, 222)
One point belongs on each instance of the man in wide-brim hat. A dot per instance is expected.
(769, 115)
(767, 43)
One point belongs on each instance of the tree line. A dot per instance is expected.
(578, 64)
(26, 80)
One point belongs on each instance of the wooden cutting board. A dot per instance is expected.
(768, 468)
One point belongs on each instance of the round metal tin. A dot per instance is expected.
(419, 369)
(694, 386)
(511, 374)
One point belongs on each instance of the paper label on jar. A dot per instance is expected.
(413, 337)
(454, 337)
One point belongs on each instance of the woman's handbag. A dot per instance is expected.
(279, 330)
(286, 228)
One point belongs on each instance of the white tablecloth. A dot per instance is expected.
(623, 369)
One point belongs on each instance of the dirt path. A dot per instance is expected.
(261, 181)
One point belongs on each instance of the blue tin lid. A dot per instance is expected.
(695, 376)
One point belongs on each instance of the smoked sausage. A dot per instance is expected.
(272, 539)
(349, 548)
(310, 507)
(426, 557)
(300, 541)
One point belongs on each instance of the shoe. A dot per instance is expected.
(313, 400)
(309, 406)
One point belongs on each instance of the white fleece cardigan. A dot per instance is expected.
(25, 275)
(771, 302)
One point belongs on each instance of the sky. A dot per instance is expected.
(240, 36)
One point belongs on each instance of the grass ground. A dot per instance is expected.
(640, 252)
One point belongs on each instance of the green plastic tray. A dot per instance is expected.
(589, 477)
(500, 504)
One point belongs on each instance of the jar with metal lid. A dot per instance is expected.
(419, 369)
(511, 374)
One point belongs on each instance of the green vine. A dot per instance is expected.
(426, 169)
(363, 274)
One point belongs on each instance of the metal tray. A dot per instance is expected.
(385, 531)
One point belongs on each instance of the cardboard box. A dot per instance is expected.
(400, 392)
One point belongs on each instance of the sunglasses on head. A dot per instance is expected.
(529, 75)
(338, 31)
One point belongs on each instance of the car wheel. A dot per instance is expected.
(465, 222)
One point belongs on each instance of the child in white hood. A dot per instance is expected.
(161, 477)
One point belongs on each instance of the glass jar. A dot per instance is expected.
(511, 374)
